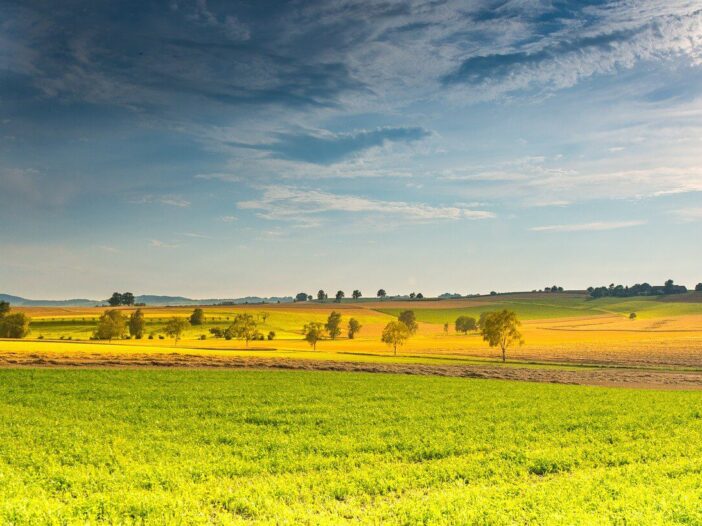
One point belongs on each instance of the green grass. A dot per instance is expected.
(230, 447)
(540, 308)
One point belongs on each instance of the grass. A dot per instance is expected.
(234, 447)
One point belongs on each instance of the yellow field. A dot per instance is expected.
(665, 333)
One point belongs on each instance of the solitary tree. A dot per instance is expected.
(339, 296)
(197, 317)
(333, 325)
(137, 324)
(313, 331)
(501, 329)
(357, 293)
(409, 319)
(301, 296)
(321, 295)
(420, 296)
(395, 334)
(632, 316)
(111, 324)
(354, 327)
(243, 327)
(115, 300)
(15, 325)
(698, 287)
(465, 324)
(175, 327)
(128, 298)
(381, 293)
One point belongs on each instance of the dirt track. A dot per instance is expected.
(636, 378)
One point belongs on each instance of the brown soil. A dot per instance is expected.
(633, 378)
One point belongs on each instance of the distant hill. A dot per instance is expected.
(147, 299)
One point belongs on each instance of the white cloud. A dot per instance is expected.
(169, 200)
(588, 227)
(229, 219)
(284, 202)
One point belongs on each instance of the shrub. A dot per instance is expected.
(271, 335)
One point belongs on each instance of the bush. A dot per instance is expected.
(271, 335)
(161, 337)
(151, 336)
(632, 316)
(203, 337)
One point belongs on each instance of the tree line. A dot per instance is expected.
(323, 296)
(639, 289)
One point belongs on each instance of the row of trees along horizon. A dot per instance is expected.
(640, 289)
(498, 328)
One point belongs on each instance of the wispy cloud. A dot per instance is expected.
(155, 243)
(288, 203)
(327, 148)
(169, 200)
(596, 226)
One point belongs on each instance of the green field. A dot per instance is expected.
(221, 447)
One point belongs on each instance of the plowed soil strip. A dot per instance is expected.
(602, 377)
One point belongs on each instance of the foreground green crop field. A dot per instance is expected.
(221, 447)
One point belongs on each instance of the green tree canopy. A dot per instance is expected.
(115, 300)
(175, 328)
(501, 329)
(112, 324)
(354, 327)
(381, 293)
(333, 325)
(339, 296)
(137, 324)
(313, 332)
(4, 308)
(197, 317)
(465, 324)
(356, 294)
(244, 327)
(409, 319)
(14, 325)
(395, 334)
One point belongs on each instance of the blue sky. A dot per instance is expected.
(211, 148)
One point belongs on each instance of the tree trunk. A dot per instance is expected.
(503, 355)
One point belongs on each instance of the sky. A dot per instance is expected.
(222, 149)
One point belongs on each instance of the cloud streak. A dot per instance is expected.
(597, 226)
(287, 203)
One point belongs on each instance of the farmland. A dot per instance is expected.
(560, 331)
(231, 447)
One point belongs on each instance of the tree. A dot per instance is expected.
(301, 296)
(128, 298)
(420, 296)
(313, 331)
(321, 295)
(271, 335)
(465, 324)
(698, 287)
(333, 325)
(15, 325)
(243, 327)
(409, 319)
(501, 329)
(395, 334)
(668, 286)
(381, 294)
(175, 327)
(4, 308)
(354, 327)
(137, 324)
(115, 300)
(197, 317)
(112, 324)
(412, 295)
(446, 326)
(339, 295)
(632, 316)
(357, 294)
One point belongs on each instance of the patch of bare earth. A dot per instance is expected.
(602, 377)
